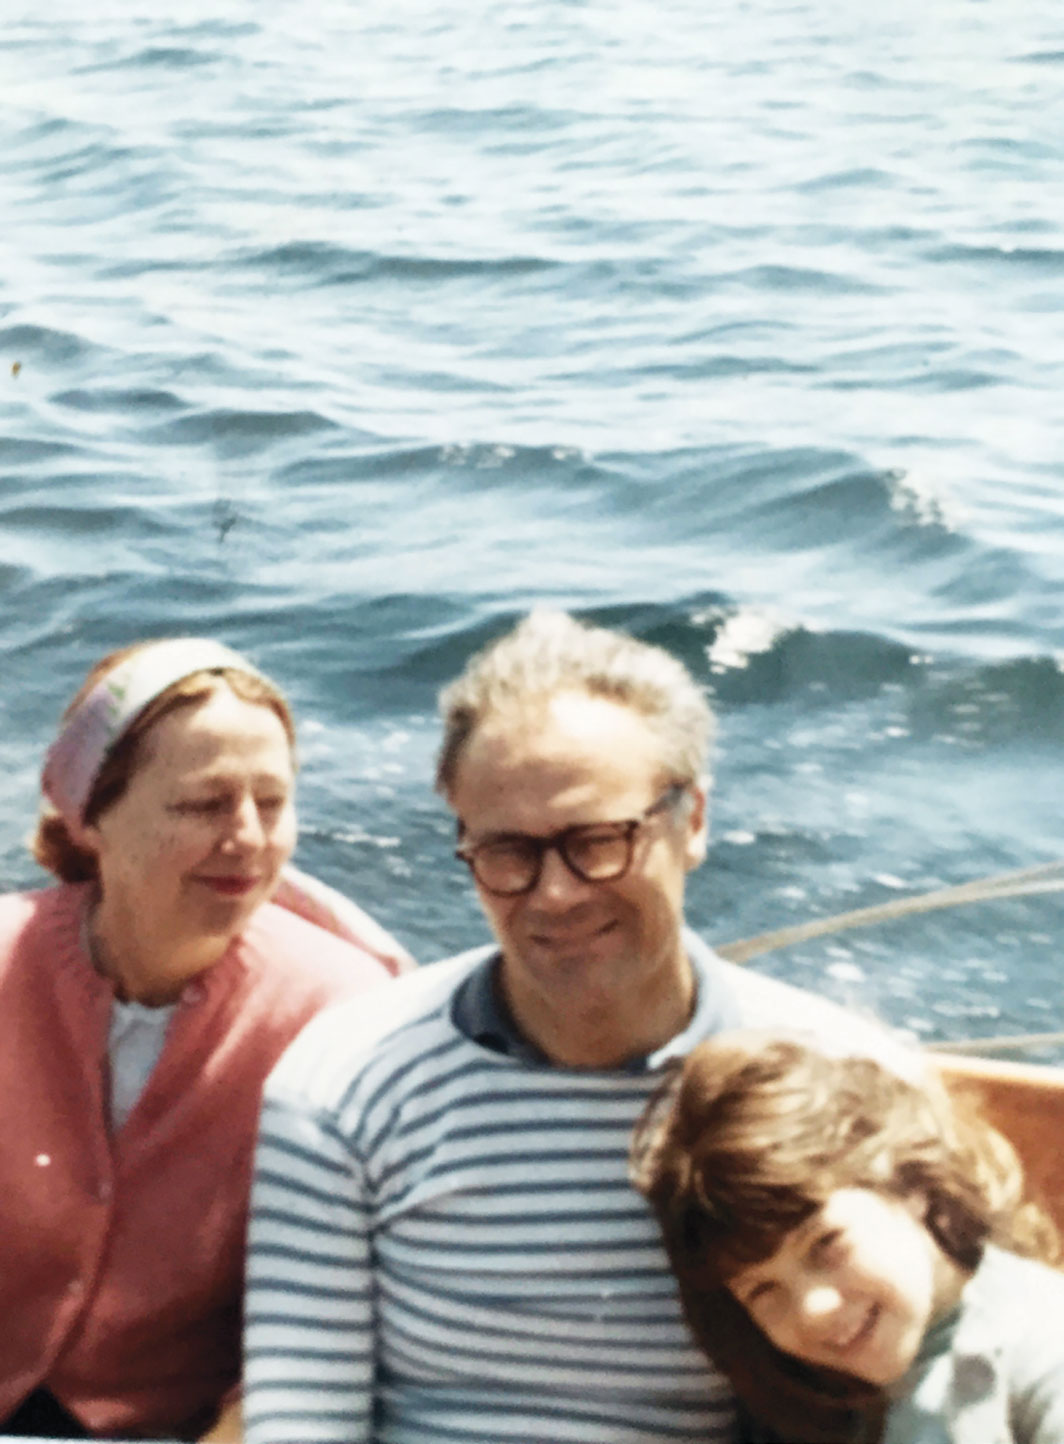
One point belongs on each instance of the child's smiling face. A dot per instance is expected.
(855, 1287)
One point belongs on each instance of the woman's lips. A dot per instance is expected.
(231, 886)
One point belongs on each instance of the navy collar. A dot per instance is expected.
(480, 1012)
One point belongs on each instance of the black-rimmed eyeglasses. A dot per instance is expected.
(510, 863)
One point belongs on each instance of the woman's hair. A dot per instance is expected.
(750, 1137)
(52, 844)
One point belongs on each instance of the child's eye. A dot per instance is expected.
(828, 1246)
(758, 1294)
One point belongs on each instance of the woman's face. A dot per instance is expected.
(855, 1287)
(197, 839)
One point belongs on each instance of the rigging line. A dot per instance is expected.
(1009, 1043)
(1026, 882)
(1049, 877)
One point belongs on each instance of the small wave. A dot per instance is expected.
(920, 496)
(951, 378)
(44, 343)
(233, 432)
(439, 268)
(99, 169)
(756, 656)
(118, 399)
(325, 264)
(744, 635)
(841, 179)
(1003, 153)
(723, 366)
(220, 28)
(1036, 258)
(312, 256)
(64, 524)
(1020, 701)
(29, 451)
(309, 472)
(12, 576)
(397, 651)
(800, 278)
(803, 498)
(494, 121)
(177, 57)
(564, 464)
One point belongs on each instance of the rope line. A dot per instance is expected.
(1026, 882)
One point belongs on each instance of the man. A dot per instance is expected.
(445, 1247)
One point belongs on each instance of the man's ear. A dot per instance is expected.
(696, 837)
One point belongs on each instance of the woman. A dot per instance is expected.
(142, 1003)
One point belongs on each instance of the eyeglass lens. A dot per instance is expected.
(512, 865)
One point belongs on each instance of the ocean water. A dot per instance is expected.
(349, 332)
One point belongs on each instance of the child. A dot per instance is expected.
(847, 1247)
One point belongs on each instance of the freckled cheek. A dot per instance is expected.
(184, 844)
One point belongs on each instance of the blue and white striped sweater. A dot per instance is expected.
(445, 1246)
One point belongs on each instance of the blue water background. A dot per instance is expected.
(348, 332)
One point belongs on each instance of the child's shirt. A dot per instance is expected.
(992, 1372)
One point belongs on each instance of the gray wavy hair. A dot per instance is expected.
(550, 652)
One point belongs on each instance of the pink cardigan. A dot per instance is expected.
(121, 1258)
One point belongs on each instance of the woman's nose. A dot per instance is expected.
(247, 829)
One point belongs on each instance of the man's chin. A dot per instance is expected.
(597, 956)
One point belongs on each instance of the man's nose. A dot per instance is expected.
(558, 885)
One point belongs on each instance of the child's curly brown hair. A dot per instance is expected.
(750, 1136)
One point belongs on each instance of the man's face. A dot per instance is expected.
(569, 943)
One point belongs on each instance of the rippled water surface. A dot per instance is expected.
(349, 332)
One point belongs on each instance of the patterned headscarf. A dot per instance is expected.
(102, 717)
